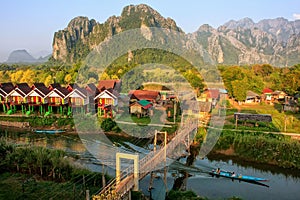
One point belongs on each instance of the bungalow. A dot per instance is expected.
(278, 95)
(141, 108)
(5, 89)
(212, 95)
(107, 97)
(17, 96)
(267, 94)
(106, 100)
(77, 99)
(290, 104)
(137, 95)
(57, 97)
(109, 84)
(38, 93)
(37, 97)
(252, 97)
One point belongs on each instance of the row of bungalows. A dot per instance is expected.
(40, 98)
(289, 103)
(268, 96)
(55, 98)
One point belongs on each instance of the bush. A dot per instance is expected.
(108, 124)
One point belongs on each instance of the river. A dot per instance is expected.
(283, 184)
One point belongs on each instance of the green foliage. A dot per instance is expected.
(136, 77)
(108, 124)
(239, 89)
(52, 165)
(259, 76)
(260, 147)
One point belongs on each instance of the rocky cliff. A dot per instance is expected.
(82, 35)
(273, 41)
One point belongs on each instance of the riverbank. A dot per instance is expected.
(31, 172)
(256, 147)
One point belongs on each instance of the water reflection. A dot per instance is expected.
(68, 143)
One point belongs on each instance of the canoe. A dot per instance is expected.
(49, 131)
(236, 176)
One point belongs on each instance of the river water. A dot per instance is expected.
(283, 184)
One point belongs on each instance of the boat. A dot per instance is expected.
(49, 131)
(233, 176)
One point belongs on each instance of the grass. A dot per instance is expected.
(155, 119)
(20, 186)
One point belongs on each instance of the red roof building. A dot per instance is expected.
(137, 95)
(213, 93)
(267, 94)
(267, 91)
(109, 84)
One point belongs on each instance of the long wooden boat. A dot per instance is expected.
(49, 131)
(240, 177)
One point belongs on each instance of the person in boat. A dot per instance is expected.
(233, 174)
(218, 171)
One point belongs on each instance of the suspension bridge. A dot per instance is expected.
(128, 180)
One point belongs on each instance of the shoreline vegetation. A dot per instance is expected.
(256, 147)
(27, 172)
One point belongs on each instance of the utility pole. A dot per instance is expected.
(285, 119)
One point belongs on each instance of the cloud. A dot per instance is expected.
(296, 16)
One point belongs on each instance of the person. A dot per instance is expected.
(218, 171)
(233, 174)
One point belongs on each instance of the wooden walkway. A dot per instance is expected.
(151, 162)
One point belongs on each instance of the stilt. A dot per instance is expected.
(99, 111)
(4, 108)
(15, 108)
(165, 177)
(22, 107)
(60, 110)
(41, 110)
(152, 175)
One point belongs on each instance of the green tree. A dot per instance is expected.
(240, 88)
(49, 80)
(29, 76)
(68, 79)
(60, 77)
(230, 74)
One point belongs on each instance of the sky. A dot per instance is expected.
(31, 24)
